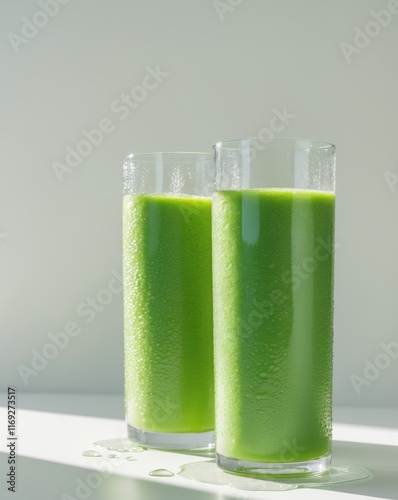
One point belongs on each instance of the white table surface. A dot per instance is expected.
(53, 430)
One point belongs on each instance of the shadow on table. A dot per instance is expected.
(42, 480)
(381, 460)
(39, 479)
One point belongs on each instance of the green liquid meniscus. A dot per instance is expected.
(273, 323)
(168, 313)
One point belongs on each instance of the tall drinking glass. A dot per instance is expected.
(273, 242)
(169, 389)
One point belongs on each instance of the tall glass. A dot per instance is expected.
(273, 242)
(169, 388)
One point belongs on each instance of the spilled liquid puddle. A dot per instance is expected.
(91, 453)
(122, 445)
(208, 472)
(161, 473)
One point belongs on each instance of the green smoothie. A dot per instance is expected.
(168, 313)
(273, 323)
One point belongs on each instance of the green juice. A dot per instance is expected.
(168, 313)
(273, 323)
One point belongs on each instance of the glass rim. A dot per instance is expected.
(290, 141)
(165, 153)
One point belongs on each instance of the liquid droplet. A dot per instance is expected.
(161, 473)
(263, 375)
(131, 459)
(112, 455)
(91, 453)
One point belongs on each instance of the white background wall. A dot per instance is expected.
(61, 241)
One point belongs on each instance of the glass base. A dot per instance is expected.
(287, 469)
(172, 440)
